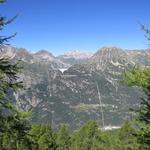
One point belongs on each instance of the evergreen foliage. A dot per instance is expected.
(14, 125)
(63, 139)
(140, 77)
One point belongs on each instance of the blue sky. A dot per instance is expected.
(63, 25)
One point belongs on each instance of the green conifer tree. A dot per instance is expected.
(13, 124)
(141, 77)
(63, 138)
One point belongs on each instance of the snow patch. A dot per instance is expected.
(115, 63)
(63, 69)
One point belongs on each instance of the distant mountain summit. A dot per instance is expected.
(141, 57)
(74, 57)
(78, 54)
(44, 55)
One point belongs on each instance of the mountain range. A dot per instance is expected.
(77, 86)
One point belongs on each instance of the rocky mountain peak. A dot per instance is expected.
(109, 57)
(15, 53)
(44, 54)
(110, 54)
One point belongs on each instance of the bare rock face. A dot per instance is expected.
(80, 92)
